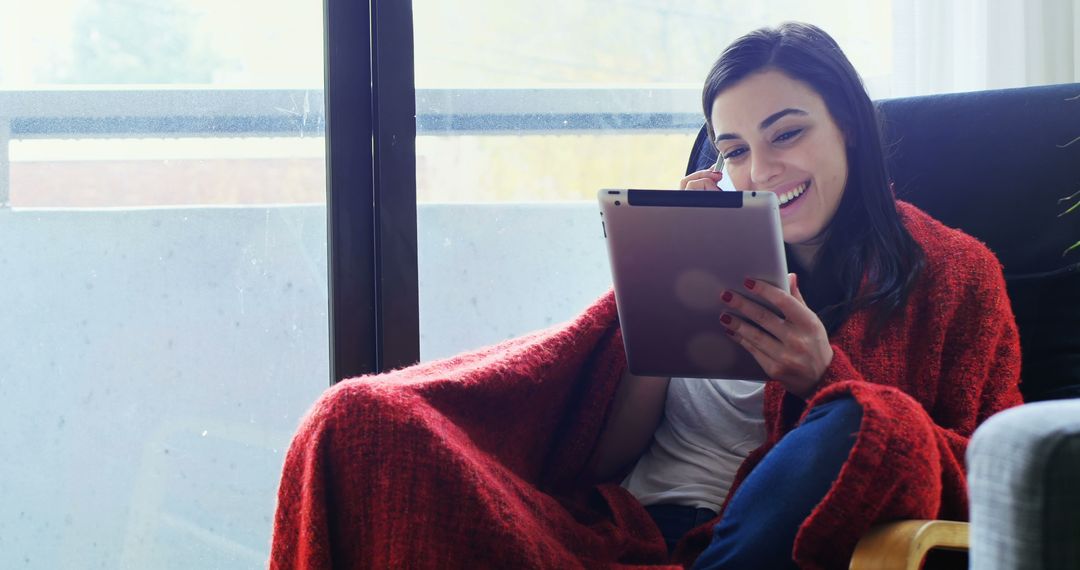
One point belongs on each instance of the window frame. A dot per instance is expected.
(373, 278)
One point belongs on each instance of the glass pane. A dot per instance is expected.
(485, 44)
(526, 110)
(163, 253)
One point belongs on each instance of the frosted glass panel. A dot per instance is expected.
(159, 361)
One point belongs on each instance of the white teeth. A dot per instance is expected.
(789, 196)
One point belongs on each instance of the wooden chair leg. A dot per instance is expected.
(903, 545)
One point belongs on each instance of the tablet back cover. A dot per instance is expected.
(672, 254)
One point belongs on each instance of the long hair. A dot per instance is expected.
(866, 236)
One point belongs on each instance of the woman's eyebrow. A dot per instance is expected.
(764, 124)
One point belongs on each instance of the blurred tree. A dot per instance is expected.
(138, 41)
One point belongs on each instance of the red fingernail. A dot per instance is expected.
(729, 332)
(749, 283)
(725, 318)
(727, 296)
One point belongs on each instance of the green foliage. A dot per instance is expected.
(1076, 205)
(1075, 194)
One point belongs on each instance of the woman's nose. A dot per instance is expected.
(764, 168)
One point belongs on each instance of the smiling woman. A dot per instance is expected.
(789, 115)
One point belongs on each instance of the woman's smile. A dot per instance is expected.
(791, 197)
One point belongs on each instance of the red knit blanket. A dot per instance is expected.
(478, 460)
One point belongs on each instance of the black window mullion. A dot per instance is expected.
(394, 143)
(349, 175)
(371, 186)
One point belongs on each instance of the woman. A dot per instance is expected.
(788, 114)
(897, 340)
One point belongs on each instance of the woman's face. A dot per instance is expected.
(776, 135)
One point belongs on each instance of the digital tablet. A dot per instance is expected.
(672, 254)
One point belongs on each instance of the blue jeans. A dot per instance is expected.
(677, 520)
(759, 525)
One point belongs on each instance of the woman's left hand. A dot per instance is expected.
(793, 349)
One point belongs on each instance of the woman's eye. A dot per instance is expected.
(736, 153)
(788, 135)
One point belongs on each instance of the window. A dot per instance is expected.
(163, 252)
(526, 110)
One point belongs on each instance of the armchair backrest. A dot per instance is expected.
(996, 165)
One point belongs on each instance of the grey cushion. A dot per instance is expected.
(1024, 482)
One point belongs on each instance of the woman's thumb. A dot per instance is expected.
(793, 280)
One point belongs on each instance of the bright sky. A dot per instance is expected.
(279, 42)
(472, 43)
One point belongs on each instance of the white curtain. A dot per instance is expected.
(942, 46)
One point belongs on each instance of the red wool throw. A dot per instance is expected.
(478, 461)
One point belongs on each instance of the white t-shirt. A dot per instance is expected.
(709, 428)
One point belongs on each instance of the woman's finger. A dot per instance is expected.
(756, 312)
(701, 175)
(794, 310)
(794, 286)
(763, 359)
(764, 341)
(701, 184)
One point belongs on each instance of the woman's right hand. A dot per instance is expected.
(702, 180)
